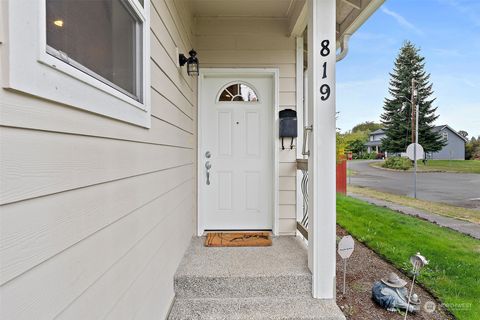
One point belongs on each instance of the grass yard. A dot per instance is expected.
(453, 274)
(459, 166)
(465, 166)
(429, 206)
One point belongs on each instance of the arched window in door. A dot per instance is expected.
(238, 92)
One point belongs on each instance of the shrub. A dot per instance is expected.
(398, 163)
(372, 156)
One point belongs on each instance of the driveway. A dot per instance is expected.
(458, 189)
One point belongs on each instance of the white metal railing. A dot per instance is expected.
(302, 223)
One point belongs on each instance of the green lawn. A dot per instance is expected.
(461, 166)
(453, 274)
(466, 166)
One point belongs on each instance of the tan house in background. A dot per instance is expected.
(105, 140)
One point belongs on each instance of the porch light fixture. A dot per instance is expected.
(192, 62)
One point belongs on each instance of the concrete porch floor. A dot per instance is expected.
(248, 283)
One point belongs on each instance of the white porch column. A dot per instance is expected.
(321, 163)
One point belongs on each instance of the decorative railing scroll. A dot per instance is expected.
(302, 224)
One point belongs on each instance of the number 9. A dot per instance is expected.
(325, 90)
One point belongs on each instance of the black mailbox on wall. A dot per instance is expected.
(288, 125)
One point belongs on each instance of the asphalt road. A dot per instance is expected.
(458, 189)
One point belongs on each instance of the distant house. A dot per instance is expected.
(454, 150)
(374, 143)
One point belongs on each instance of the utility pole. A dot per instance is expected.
(414, 103)
(415, 111)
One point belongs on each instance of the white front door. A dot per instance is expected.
(237, 145)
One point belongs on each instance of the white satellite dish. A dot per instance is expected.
(411, 150)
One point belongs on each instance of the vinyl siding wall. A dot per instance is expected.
(96, 214)
(454, 150)
(257, 43)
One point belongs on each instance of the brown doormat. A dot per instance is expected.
(238, 239)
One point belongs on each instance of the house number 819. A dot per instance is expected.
(325, 88)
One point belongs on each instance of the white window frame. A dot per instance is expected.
(445, 136)
(251, 87)
(32, 70)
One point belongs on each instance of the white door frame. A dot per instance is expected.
(270, 72)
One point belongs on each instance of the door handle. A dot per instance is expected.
(208, 166)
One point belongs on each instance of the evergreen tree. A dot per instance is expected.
(397, 116)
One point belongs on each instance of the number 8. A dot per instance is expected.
(325, 50)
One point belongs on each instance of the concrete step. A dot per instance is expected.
(248, 283)
(242, 287)
(280, 270)
(274, 308)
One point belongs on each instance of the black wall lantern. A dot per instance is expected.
(192, 62)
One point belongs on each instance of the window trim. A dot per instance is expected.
(35, 71)
(72, 62)
(445, 135)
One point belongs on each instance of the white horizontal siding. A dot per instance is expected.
(97, 213)
(287, 184)
(64, 219)
(113, 286)
(66, 162)
(71, 274)
(212, 26)
(24, 112)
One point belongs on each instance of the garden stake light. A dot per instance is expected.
(418, 261)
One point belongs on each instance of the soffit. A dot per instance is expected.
(291, 11)
(242, 8)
